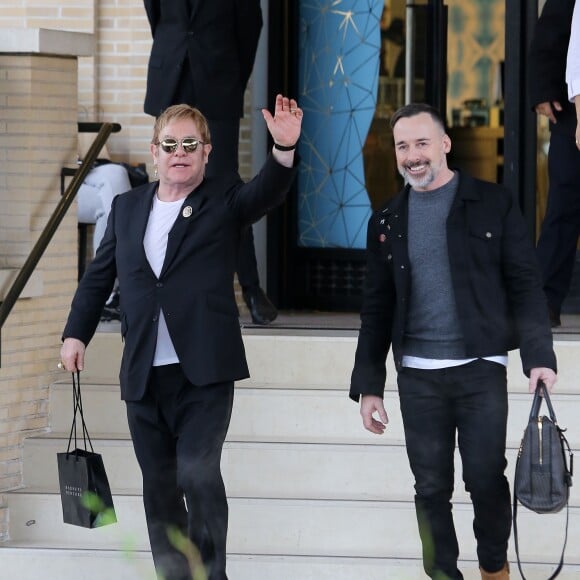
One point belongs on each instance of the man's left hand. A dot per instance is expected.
(542, 374)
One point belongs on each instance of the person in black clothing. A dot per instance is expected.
(452, 284)
(203, 54)
(171, 243)
(556, 246)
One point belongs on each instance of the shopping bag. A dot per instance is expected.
(84, 487)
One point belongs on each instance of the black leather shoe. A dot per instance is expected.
(261, 309)
(111, 311)
(555, 319)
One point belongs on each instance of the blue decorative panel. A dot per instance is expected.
(338, 79)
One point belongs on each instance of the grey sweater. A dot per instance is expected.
(432, 329)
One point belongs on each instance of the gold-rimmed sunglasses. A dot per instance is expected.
(189, 144)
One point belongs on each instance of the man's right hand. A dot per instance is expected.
(370, 404)
(547, 109)
(72, 354)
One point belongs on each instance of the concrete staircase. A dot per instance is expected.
(312, 495)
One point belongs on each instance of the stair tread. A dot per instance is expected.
(299, 527)
(52, 564)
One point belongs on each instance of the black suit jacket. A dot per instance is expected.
(495, 277)
(215, 39)
(547, 62)
(195, 286)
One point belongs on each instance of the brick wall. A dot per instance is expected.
(112, 83)
(37, 134)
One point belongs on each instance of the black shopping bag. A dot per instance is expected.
(84, 488)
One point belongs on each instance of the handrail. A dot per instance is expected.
(54, 221)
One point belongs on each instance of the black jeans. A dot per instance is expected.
(561, 226)
(178, 430)
(469, 401)
(225, 138)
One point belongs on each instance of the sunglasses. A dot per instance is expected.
(189, 144)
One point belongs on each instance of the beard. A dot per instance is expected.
(416, 181)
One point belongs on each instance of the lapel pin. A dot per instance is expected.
(187, 211)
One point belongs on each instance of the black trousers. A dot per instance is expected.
(178, 430)
(556, 248)
(225, 138)
(468, 402)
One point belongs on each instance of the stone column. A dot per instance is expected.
(38, 135)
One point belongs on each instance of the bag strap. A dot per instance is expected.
(542, 392)
(561, 563)
(78, 408)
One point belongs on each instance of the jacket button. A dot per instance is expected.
(155, 319)
(403, 267)
(488, 234)
(159, 285)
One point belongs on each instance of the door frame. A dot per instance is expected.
(287, 270)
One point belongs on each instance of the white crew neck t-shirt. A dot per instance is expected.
(161, 219)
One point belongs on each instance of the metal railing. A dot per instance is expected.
(104, 130)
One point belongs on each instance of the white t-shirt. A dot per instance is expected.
(573, 61)
(161, 219)
(432, 363)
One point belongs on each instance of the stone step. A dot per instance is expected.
(25, 561)
(313, 496)
(267, 470)
(292, 528)
(29, 563)
(311, 358)
(291, 415)
(273, 359)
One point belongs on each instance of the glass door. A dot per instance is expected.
(352, 64)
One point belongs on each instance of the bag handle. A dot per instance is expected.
(535, 413)
(78, 408)
(542, 394)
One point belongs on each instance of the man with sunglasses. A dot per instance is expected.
(203, 54)
(172, 245)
